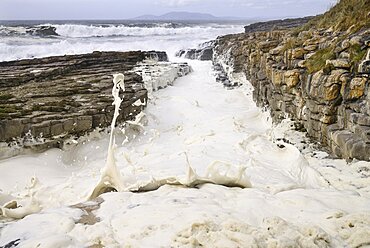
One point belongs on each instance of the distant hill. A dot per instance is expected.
(181, 15)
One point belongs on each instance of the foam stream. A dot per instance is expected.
(193, 138)
(111, 178)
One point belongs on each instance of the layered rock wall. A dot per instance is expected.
(56, 97)
(330, 100)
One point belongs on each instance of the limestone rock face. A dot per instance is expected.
(315, 77)
(56, 97)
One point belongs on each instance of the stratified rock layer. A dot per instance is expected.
(329, 93)
(277, 24)
(67, 95)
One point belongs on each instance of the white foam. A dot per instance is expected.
(81, 31)
(111, 178)
(196, 132)
(296, 199)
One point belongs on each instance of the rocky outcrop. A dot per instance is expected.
(203, 52)
(277, 24)
(42, 31)
(55, 97)
(159, 75)
(318, 77)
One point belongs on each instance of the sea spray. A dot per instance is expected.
(111, 179)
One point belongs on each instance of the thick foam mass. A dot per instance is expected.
(192, 131)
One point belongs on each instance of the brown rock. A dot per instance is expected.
(298, 53)
(292, 78)
(339, 63)
(311, 48)
(56, 128)
(277, 50)
(277, 77)
(265, 46)
(11, 129)
(357, 87)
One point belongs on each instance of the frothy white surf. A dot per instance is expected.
(77, 39)
(111, 178)
(295, 199)
(83, 31)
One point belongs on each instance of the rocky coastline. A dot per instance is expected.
(318, 76)
(45, 101)
(312, 71)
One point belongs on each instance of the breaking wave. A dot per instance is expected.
(24, 40)
(109, 30)
(81, 31)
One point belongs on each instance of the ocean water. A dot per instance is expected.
(291, 196)
(18, 39)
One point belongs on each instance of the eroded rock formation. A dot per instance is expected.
(317, 76)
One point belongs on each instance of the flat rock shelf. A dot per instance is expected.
(53, 98)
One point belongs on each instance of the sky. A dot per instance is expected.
(125, 9)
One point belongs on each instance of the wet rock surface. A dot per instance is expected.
(223, 78)
(203, 52)
(55, 97)
(318, 77)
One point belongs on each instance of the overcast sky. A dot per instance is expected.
(124, 9)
